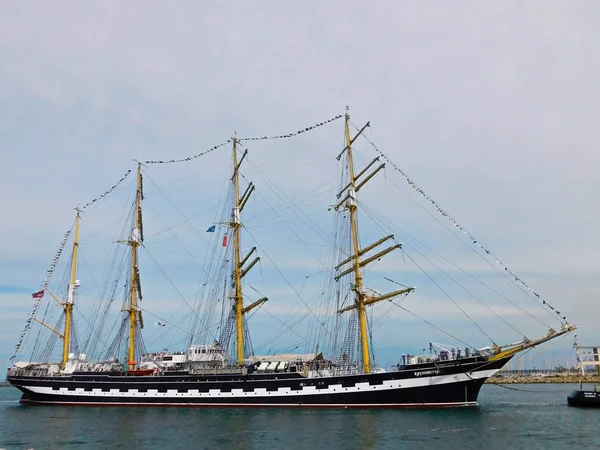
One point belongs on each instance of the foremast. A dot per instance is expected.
(135, 290)
(239, 268)
(362, 298)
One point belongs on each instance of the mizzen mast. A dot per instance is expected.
(68, 304)
(239, 267)
(349, 201)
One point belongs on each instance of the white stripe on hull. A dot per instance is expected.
(263, 405)
(230, 396)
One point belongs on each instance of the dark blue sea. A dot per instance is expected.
(535, 417)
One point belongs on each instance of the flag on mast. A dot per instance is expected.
(38, 294)
(211, 229)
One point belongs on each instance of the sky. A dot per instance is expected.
(490, 107)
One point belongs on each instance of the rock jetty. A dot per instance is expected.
(530, 379)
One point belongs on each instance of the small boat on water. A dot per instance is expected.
(586, 398)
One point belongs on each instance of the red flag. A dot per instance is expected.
(38, 294)
(225, 241)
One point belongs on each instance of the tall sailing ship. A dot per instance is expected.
(225, 371)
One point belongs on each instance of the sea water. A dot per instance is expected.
(518, 417)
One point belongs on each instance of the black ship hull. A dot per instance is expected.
(451, 383)
(584, 399)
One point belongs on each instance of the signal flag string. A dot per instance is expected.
(37, 296)
(257, 138)
(300, 131)
(465, 231)
(212, 149)
(107, 192)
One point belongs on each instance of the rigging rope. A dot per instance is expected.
(380, 218)
(512, 388)
(430, 324)
(450, 298)
(471, 294)
(522, 356)
(288, 283)
(464, 230)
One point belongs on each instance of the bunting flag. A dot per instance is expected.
(258, 138)
(211, 229)
(289, 135)
(39, 295)
(212, 149)
(107, 192)
(50, 270)
(465, 231)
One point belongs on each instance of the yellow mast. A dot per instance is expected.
(134, 241)
(237, 275)
(239, 271)
(362, 299)
(68, 304)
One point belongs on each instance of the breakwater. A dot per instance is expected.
(528, 379)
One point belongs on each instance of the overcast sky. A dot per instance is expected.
(490, 106)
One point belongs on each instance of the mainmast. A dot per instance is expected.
(239, 271)
(136, 238)
(362, 298)
(68, 304)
